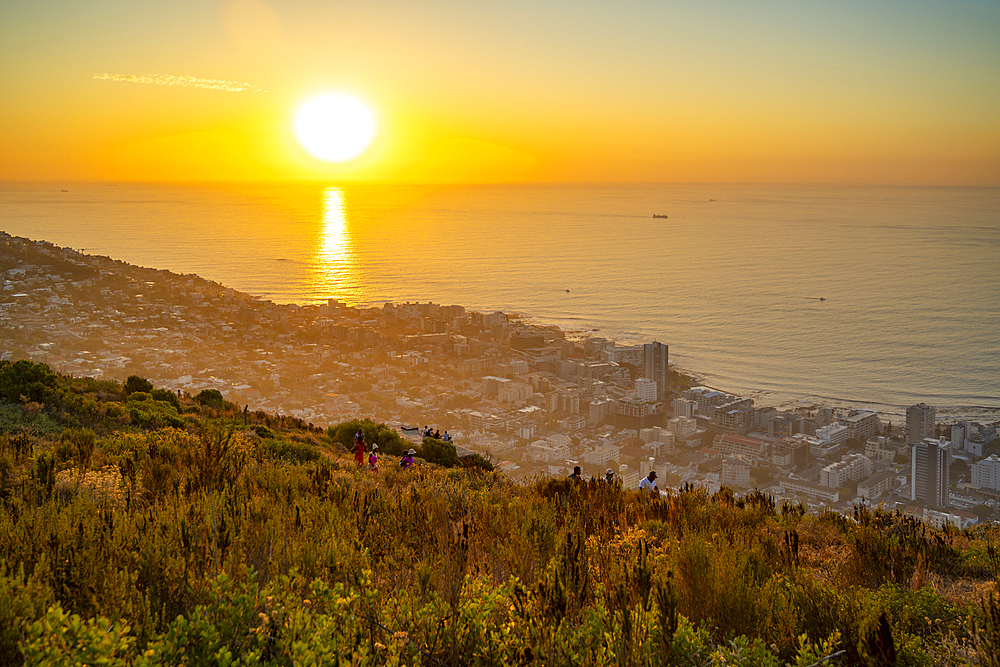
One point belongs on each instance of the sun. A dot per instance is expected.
(335, 127)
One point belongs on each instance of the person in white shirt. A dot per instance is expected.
(649, 482)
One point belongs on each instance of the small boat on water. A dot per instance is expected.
(659, 215)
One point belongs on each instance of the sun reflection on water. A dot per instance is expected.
(334, 265)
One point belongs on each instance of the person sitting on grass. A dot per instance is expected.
(407, 461)
(648, 482)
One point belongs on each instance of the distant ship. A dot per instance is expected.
(711, 200)
(659, 215)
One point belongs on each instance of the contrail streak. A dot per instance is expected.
(185, 81)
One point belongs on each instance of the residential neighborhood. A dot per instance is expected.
(536, 400)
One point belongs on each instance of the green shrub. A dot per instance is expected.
(138, 396)
(167, 396)
(24, 378)
(295, 452)
(438, 451)
(58, 638)
(211, 398)
(22, 600)
(135, 383)
(153, 414)
(478, 462)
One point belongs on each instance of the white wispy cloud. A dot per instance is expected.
(184, 81)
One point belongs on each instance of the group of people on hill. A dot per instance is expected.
(428, 432)
(647, 483)
(406, 462)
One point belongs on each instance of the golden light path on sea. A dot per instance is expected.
(335, 262)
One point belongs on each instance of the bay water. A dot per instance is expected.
(795, 294)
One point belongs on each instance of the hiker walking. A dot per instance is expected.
(359, 448)
(373, 459)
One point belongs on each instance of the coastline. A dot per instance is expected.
(764, 398)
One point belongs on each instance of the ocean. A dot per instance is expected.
(876, 297)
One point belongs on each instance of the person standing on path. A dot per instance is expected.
(359, 448)
(373, 459)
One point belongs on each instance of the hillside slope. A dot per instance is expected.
(143, 528)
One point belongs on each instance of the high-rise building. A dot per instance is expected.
(919, 423)
(929, 475)
(656, 367)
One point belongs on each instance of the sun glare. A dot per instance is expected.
(335, 127)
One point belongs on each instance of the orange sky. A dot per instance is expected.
(514, 91)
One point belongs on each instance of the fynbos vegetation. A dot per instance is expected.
(142, 529)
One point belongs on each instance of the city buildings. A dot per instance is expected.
(684, 408)
(878, 485)
(863, 424)
(834, 433)
(852, 467)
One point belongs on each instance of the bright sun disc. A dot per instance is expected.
(335, 127)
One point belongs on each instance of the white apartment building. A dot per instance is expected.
(601, 455)
(876, 486)
(749, 449)
(863, 424)
(634, 355)
(834, 433)
(519, 367)
(492, 384)
(986, 473)
(852, 467)
(735, 472)
(814, 491)
(682, 427)
(818, 449)
(684, 408)
(514, 392)
(877, 449)
(645, 389)
(601, 409)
